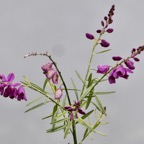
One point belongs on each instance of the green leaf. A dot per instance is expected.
(47, 117)
(76, 93)
(100, 105)
(82, 122)
(86, 115)
(86, 92)
(79, 77)
(36, 106)
(103, 51)
(45, 83)
(59, 121)
(67, 129)
(104, 93)
(35, 100)
(55, 129)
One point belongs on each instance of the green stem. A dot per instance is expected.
(66, 90)
(74, 132)
(90, 62)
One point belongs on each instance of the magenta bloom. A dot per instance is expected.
(119, 71)
(104, 43)
(102, 69)
(10, 89)
(75, 109)
(130, 64)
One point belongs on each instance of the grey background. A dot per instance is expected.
(59, 27)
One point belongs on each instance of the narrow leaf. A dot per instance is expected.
(59, 121)
(103, 51)
(58, 128)
(79, 77)
(67, 129)
(76, 93)
(45, 83)
(46, 117)
(35, 100)
(104, 93)
(36, 106)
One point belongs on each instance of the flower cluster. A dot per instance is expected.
(122, 68)
(75, 109)
(105, 23)
(52, 74)
(10, 89)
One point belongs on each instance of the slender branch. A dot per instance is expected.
(47, 55)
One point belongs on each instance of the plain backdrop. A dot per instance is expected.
(59, 27)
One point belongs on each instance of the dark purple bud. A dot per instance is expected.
(69, 108)
(110, 30)
(105, 18)
(98, 31)
(81, 111)
(102, 23)
(104, 43)
(116, 58)
(90, 36)
(102, 69)
(130, 64)
(136, 59)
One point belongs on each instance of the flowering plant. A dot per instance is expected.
(68, 111)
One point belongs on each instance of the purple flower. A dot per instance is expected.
(75, 109)
(58, 93)
(50, 73)
(21, 94)
(9, 89)
(119, 71)
(102, 69)
(89, 36)
(130, 64)
(46, 67)
(104, 43)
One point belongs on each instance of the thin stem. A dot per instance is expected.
(74, 132)
(90, 61)
(66, 90)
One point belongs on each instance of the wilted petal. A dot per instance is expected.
(46, 67)
(58, 93)
(55, 77)
(89, 36)
(104, 43)
(50, 73)
(102, 69)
